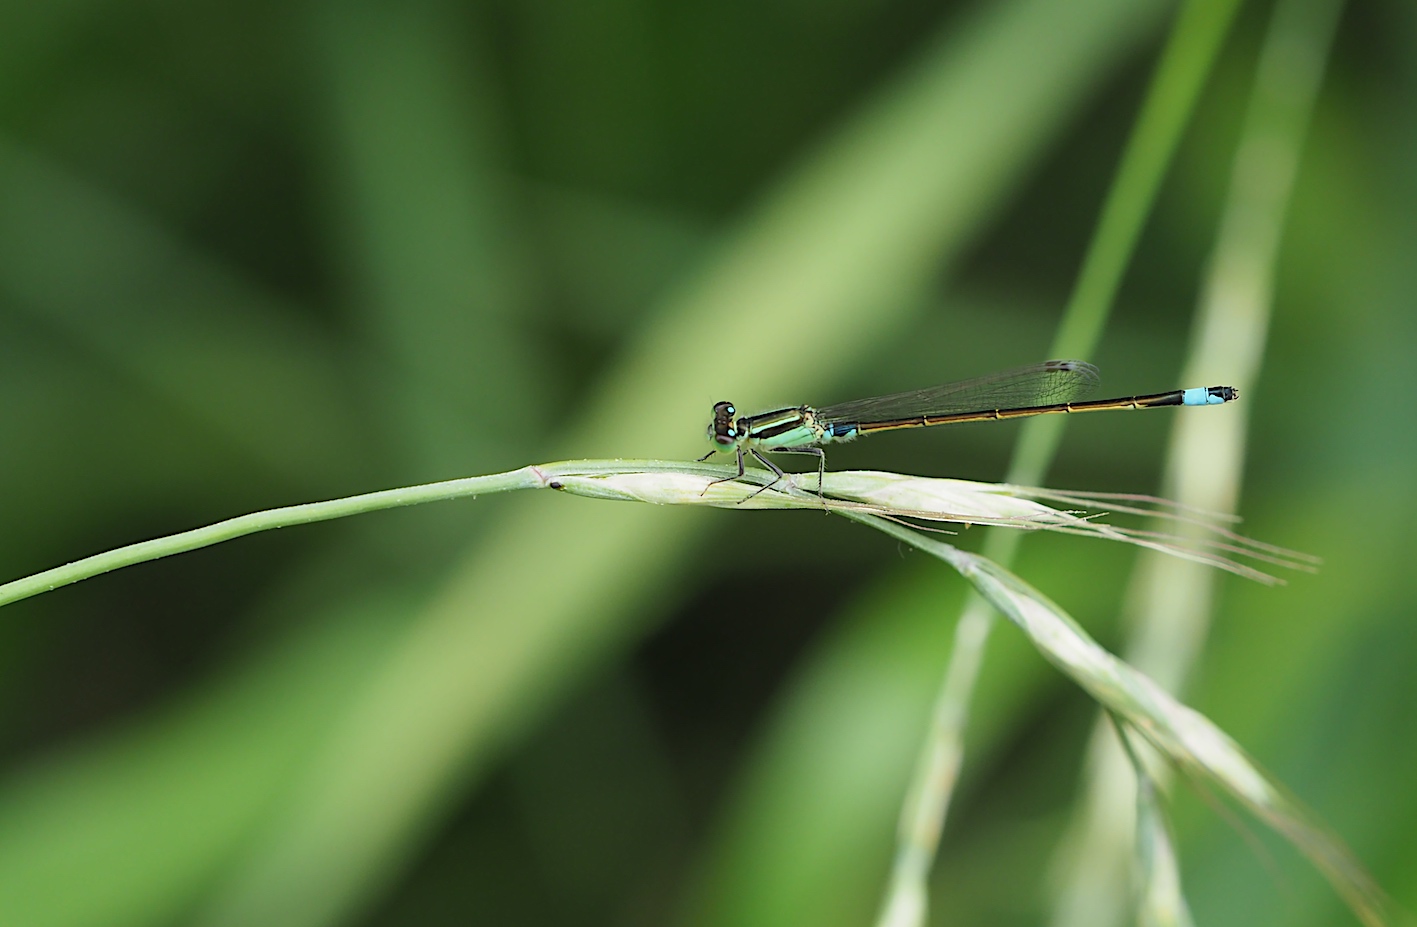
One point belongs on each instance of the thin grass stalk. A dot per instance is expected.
(1190, 53)
(1172, 600)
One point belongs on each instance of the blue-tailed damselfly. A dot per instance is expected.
(1042, 389)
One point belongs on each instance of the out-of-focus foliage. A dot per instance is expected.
(255, 254)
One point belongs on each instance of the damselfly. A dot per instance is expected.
(1042, 389)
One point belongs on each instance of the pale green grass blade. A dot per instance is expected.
(1207, 455)
(1194, 42)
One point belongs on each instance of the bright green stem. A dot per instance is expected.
(525, 478)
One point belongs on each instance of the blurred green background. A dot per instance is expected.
(258, 254)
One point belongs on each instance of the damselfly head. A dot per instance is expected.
(722, 431)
